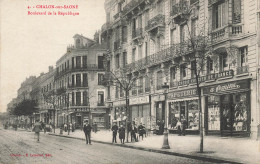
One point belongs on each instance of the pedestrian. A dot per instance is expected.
(141, 131)
(73, 127)
(69, 127)
(183, 127)
(114, 131)
(121, 132)
(178, 126)
(133, 133)
(37, 128)
(65, 127)
(87, 130)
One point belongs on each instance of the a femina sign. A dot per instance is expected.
(226, 87)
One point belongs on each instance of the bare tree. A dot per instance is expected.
(124, 79)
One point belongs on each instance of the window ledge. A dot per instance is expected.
(224, 78)
(243, 74)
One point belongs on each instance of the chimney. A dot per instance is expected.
(50, 68)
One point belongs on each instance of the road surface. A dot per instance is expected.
(21, 147)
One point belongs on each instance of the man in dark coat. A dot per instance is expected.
(37, 128)
(141, 131)
(184, 127)
(121, 132)
(133, 131)
(114, 129)
(87, 130)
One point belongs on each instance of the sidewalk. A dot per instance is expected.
(219, 149)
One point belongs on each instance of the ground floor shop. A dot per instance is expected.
(227, 109)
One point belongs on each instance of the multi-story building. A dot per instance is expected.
(47, 97)
(24, 92)
(78, 84)
(153, 36)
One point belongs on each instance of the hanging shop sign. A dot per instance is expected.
(139, 100)
(227, 87)
(183, 93)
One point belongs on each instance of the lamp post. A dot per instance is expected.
(165, 134)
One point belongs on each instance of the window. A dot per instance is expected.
(159, 80)
(147, 84)
(78, 61)
(116, 94)
(173, 74)
(236, 18)
(101, 98)
(146, 49)
(85, 61)
(72, 80)
(243, 56)
(124, 58)
(193, 27)
(117, 61)
(223, 62)
(121, 91)
(78, 80)
(68, 64)
(77, 43)
(209, 65)
(133, 55)
(173, 36)
(73, 98)
(72, 62)
(100, 79)
(193, 68)
(100, 62)
(124, 34)
(134, 89)
(219, 15)
(141, 81)
(146, 17)
(183, 71)
(140, 52)
(85, 79)
(78, 98)
(182, 33)
(108, 92)
(85, 98)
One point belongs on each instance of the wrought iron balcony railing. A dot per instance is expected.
(132, 5)
(179, 8)
(157, 21)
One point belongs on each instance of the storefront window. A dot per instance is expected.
(240, 112)
(193, 115)
(226, 112)
(174, 114)
(213, 113)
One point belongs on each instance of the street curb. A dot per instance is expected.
(197, 157)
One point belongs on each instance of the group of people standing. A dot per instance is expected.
(132, 129)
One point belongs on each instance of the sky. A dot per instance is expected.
(31, 43)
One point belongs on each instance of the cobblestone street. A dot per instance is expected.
(15, 145)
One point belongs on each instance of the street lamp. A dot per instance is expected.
(165, 137)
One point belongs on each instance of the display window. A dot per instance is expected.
(226, 112)
(213, 113)
(240, 102)
(193, 115)
(174, 114)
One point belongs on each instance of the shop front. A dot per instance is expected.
(78, 115)
(119, 113)
(100, 117)
(227, 109)
(140, 110)
(183, 105)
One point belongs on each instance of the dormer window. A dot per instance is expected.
(77, 43)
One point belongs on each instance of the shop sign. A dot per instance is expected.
(119, 103)
(95, 110)
(159, 98)
(139, 100)
(181, 94)
(237, 85)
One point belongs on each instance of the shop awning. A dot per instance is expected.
(185, 99)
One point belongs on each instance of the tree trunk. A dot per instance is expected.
(127, 114)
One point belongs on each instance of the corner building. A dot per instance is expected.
(78, 83)
(150, 36)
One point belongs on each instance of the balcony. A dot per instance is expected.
(242, 70)
(78, 86)
(178, 10)
(226, 32)
(131, 6)
(137, 33)
(157, 21)
(89, 67)
(101, 104)
(117, 15)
